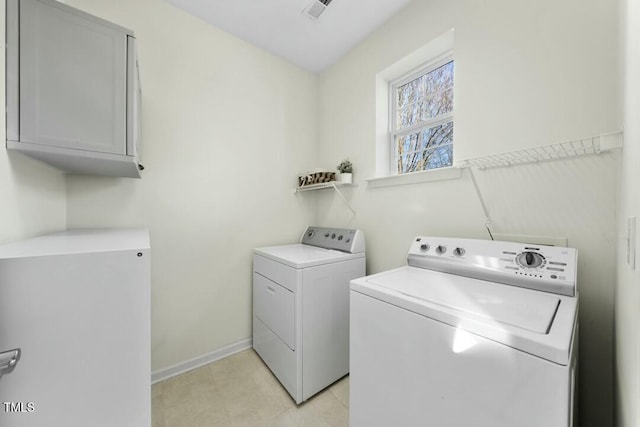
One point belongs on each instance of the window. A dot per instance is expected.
(421, 119)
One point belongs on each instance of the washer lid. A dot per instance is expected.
(302, 256)
(535, 322)
(533, 311)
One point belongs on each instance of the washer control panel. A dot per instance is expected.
(539, 267)
(341, 239)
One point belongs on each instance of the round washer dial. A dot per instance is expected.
(530, 259)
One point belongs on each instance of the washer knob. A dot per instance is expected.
(424, 247)
(530, 259)
(441, 249)
(458, 251)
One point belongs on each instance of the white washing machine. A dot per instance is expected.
(470, 333)
(301, 307)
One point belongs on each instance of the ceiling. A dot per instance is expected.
(281, 27)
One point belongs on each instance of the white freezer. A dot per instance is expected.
(77, 304)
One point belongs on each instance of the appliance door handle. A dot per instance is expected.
(9, 360)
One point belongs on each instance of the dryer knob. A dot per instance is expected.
(441, 249)
(424, 247)
(458, 251)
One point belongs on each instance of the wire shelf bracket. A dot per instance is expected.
(332, 184)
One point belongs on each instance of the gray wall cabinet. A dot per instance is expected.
(73, 91)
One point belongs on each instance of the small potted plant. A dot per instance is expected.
(346, 171)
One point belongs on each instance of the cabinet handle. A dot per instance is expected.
(9, 360)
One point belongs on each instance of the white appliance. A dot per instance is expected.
(470, 333)
(75, 330)
(301, 307)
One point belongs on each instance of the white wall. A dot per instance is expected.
(627, 372)
(226, 127)
(32, 195)
(527, 73)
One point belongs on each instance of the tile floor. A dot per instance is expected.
(241, 391)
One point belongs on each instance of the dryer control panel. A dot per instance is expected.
(341, 239)
(544, 268)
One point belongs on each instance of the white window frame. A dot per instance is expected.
(386, 175)
(394, 133)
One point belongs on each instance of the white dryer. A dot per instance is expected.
(470, 333)
(301, 307)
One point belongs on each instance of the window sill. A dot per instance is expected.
(415, 177)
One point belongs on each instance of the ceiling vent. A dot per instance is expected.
(316, 8)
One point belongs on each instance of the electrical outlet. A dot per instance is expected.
(631, 242)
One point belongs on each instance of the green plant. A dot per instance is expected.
(345, 166)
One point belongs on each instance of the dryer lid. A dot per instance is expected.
(303, 256)
(530, 310)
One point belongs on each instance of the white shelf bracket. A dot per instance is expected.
(487, 219)
(332, 184)
(346, 202)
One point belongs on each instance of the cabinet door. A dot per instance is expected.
(72, 80)
(134, 100)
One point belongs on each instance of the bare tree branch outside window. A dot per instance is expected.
(423, 133)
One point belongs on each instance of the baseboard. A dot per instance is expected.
(196, 362)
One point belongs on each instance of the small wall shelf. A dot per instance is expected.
(325, 185)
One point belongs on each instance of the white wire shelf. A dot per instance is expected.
(563, 150)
